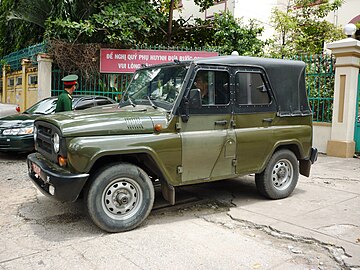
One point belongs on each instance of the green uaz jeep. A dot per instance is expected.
(179, 123)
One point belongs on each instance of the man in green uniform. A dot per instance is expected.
(64, 102)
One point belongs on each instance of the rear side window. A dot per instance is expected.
(84, 104)
(250, 89)
(102, 101)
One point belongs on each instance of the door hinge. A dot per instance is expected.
(234, 162)
(178, 126)
(179, 169)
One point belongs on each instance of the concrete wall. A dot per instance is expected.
(29, 85)
(22, 91)
(321, 135)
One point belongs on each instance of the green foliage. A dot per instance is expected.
(301, 29)
(16, 34)
(128, 23)
(124, 23)
(223, 33)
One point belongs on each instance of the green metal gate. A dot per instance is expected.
(110, 85)
(357, 120)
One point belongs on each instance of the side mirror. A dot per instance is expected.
(195, 99)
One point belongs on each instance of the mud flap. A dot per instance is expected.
(305, 166)
(168, 192)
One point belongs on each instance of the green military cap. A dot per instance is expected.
(70, 79)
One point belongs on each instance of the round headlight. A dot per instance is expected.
(56, 142)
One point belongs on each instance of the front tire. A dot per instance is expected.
(119, 197)
(280, 176)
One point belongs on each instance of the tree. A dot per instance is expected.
(302, 28)
(22, 22)
(76, 28)
(224, 33)
(125, 23)
(16, 34)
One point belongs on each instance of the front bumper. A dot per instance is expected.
(54, 181)
(23, 143)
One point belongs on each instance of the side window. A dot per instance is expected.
(102, 101)
(84, 104)
(214, 87)
(250, 89)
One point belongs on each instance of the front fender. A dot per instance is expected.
(165, 150)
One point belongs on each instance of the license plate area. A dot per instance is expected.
(36, 169)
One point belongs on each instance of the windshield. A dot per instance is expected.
(45, 106)
(158, 85)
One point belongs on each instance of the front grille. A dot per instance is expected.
(44, 135)
(44, 140)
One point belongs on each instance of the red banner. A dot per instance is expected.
(127, 61)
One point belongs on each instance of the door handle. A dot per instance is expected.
(221, 123)
(269, 120)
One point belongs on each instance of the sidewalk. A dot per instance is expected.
(324, 209)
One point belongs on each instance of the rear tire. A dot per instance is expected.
(280, 176)
(119, 197)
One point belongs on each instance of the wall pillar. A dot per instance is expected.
(44, 75)
(347, 53)
(25, 63)
(4, 82)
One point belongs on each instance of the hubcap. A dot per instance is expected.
(122, 198)
(282, 174)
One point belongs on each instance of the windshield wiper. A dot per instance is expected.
(131, 102)
(151, 102)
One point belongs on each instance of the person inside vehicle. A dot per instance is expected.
(64, 102)
(201, 82)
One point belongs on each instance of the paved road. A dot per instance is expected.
(222, 225)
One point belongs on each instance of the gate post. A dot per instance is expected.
(44, 75)
(347, 53)
(4, 82)
(25, 63)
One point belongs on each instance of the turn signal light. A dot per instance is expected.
(18, 108)
(62, 161)
(158, 127)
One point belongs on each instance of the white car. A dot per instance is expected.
(8, 109)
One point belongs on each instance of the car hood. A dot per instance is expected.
(108, 120)
(17, 120)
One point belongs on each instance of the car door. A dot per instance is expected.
(208, 139)
(255, 117)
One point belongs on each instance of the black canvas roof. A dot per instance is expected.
(287, 79)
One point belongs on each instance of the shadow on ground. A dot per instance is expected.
(56, 221)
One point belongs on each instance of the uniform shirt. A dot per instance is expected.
(64, 102)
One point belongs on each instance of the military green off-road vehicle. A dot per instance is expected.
(244, 115)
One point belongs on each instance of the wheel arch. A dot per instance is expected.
(141, 159)
(295, 147)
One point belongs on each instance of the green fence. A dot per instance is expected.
(110, 85)
(320, 77)
(14, 59)
(106, 84)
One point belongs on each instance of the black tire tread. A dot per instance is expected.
(108, 173)
(263, 179)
